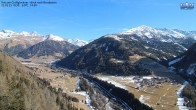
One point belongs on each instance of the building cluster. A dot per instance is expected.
(152, 82)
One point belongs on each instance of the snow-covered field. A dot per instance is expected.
(125, 80)
(30, 63)
(154, 91)
(112, 82)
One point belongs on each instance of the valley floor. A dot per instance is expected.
(160, 97)
(59, 79)
(157, 92)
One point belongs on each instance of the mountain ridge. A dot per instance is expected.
(48, 48)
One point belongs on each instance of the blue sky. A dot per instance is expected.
(90, 19)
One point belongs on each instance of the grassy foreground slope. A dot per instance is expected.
(21, 90)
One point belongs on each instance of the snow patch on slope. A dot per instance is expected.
(192, 69)
(175, 61)
(116, 60)
(114, 37)
(181, 46)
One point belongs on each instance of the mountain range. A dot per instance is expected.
(113, 53)
(13, 42)
(117, 53)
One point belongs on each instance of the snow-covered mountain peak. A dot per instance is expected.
(6, 34)
(53, 37)
(154, 32)
(115, 37)
(143, 28)
(143, 31)
(34, 33)
(77, 42)
(24, 33)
